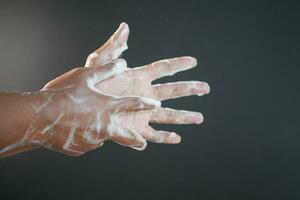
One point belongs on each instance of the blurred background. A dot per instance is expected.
(248, 51)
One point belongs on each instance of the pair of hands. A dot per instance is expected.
(105, 100)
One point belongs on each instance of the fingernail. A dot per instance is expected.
(201, 87)
(197, 118)
(175, 138)
(189, 59)
(206, 87)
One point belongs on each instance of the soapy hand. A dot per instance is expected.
(137, 81)
(110, 51)
(75, 117)
(81, 110)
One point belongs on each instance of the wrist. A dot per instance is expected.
(17, 113)
(39, 103)
(33, 104)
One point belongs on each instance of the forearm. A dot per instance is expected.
(17, 113)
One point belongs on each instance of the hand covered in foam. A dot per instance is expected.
(74, 116)
(109, 51)
(137, 81)
(72, 120)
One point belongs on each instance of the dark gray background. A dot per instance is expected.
(248, 146)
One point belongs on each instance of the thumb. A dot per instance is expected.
(112, 49)
(95, 75)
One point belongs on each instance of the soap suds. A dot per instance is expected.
(70, 138)
(47, 128)
(118, 68)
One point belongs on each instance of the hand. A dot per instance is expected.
(137, 81)
(75, 117)
(110, 51)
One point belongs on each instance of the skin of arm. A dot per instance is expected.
(138, 83)
(16, 106)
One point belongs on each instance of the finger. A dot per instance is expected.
(81, 145)
(179, 89)
(129, 138)
(171, 116)
(112, 49)
(158, 136)
(98, 74)
(134, 104)
(168, 67)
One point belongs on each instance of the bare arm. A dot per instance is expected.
(15, 116)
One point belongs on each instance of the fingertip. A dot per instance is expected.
(141, 147)
(120, 36)
(207, 87)
(175, 138)
(123, 24)
(199, 118)
(193, 118)
(192, 61)
(204, 88)
(124, 31)
(179, 139)
(170, 138)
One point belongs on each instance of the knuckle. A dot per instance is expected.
(92, 56)
(76, 71)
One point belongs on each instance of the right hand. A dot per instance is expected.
(74, 117)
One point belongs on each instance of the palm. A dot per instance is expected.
(130, 83)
